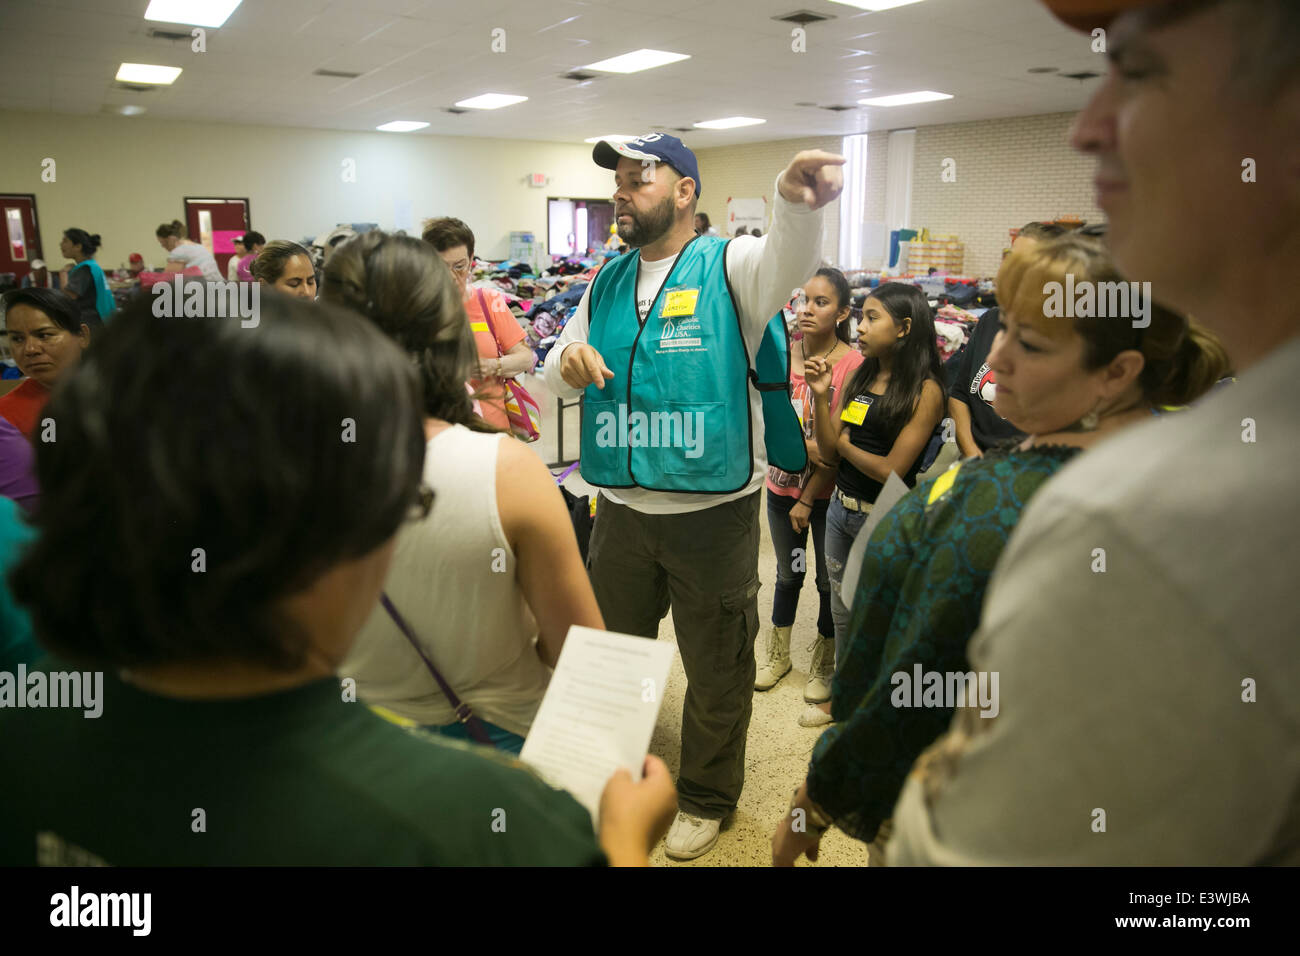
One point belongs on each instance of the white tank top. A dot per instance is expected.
(454, 579)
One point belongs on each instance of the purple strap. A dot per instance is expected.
(566, 473)
(473, 725)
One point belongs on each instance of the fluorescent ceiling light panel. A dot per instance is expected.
(615, 138)
(875, 4)
(906, 99)
(147, 73)
(490, 101)
(636, 61)
(401, 126)
(731, 122)
(199, 13)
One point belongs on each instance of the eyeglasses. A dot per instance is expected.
(422, 505)
(460, 268)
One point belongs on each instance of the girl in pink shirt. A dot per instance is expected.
(797, 502)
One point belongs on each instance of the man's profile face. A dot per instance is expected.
(644, 201)
(1169, 133)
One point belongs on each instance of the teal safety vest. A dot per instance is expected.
(675, 417)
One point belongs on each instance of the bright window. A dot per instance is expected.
(17, 235)
(853, 201)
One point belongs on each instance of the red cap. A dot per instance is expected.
(1087, 15)
(136, 257)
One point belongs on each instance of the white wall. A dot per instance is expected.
(120, 177)
(750, 170)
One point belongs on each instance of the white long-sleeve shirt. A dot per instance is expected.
(763, 271)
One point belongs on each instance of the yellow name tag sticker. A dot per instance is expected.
(479, 327)
(855, 412)
(680, 302)
(943, 483)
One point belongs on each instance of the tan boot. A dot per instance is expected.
(822, 670)
(775, 663)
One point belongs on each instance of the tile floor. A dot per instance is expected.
(778, 749)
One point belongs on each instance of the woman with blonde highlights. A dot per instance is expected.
(1067, 383)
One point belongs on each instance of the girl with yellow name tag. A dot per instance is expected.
(900, 381)
(856, 410)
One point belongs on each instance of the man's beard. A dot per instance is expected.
(648, 227)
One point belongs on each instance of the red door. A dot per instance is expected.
(215, 223)
(22, 239)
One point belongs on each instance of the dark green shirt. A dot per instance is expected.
(299, 777)
(917, 601)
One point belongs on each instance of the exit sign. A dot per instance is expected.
(537, 180)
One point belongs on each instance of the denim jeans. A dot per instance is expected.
(785, 541)
(842, 527)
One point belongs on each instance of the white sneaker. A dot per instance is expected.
(691, 837)
(775, 663)
(821, 671)
(814, 716)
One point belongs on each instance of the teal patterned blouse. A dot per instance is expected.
(918, 601)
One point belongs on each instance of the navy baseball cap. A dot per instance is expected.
(657, 146)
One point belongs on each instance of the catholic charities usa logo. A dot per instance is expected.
(80, 689)
(681, 328)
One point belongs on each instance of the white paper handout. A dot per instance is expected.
(599, 711)
(890, 494)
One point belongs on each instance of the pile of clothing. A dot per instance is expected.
(547, 318)
(952, 329)
(540, 303)
(569, 267)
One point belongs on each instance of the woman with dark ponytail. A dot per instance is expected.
(85, 280)
(492, 579)
(797, 504)
(1066, 383)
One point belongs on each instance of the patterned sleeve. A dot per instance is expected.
(917, 603)
(846, 764)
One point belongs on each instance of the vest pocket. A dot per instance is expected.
(604, 456)
(693, 438)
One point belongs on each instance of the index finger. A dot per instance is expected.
(593, 369)
(819, 157)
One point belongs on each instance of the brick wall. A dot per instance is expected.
(1009, 172)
